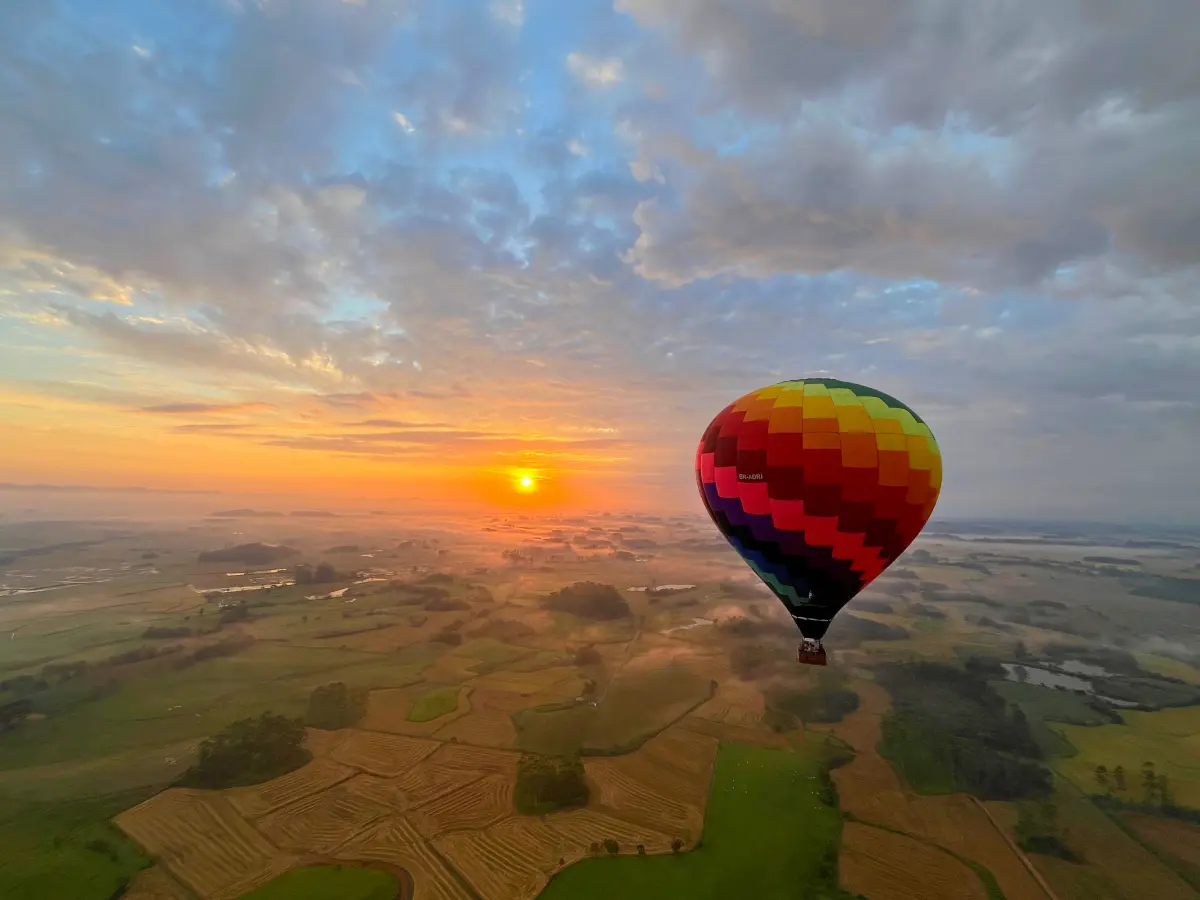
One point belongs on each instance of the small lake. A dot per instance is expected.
(1062, 681)
(1048, 678)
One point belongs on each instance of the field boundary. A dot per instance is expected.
(1037, 876)
(982, 872)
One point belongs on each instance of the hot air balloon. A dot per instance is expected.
(819, 485)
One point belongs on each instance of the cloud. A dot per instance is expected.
(206, 408)
(463, 232)
(597, 73)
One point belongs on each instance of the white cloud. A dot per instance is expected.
(596, 72)
(402, 120)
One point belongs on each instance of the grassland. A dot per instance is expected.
(1169, 738)
(792, 834)
(324, 882)
(434, 704)
(66, 849)
(633, 708)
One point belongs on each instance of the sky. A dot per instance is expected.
(417, 249)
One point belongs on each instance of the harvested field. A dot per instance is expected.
(1170, 837)
(378, 790)
(428, 780)
(626, 787)
(583, 827)
(869, 788)
(736, 733)
(1117, 866)
(394, 841)
(155, 884)
(386, 755)
(387, 711)
(320, 743)
(200, 838)
(487, 727)
(320, 823)
(473, 806)
(883, 865)
(259, 799)
(504, 701)
(477, 759)
(684, 750)
(509, 861)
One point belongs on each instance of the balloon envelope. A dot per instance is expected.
(819, 485)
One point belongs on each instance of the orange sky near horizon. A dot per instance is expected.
(305, 451)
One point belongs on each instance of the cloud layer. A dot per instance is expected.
(316, 235)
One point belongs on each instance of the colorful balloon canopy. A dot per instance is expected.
(820, 485)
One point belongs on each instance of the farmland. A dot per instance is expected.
(319, 882)
(677, 747)
(793, 830)
(1169, 738)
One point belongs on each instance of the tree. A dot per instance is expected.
(611, 846)
(1022, 673)
(676, 845)
(1119, 778)
(334, 706)
(595, 848)
(641, 849)
(324, 573)
(303, 574)
(1102, 779)
(1149, 784)
(1164, 792)
(1020, 651)
(248, 752)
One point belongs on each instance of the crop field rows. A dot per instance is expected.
(883, 865)
(319, 775)
(321, 822)
(473, 806)
(510, 860)
(869, 788)
(487, 727)
(201, 838)
(385, 755)
(394, 840)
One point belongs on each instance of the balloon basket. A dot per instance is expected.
(811, 656)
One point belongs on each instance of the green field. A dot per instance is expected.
(631, 710)
(67, 850)
(329, 883)
(910, 752)
(434, 704)
(1047, 710)
(175, 705)
(1169, 738)
(767, 835)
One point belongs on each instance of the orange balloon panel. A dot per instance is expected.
(820, 485)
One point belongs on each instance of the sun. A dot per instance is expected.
(525, 482)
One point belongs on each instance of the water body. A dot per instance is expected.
(1075, 667)
(1062, 681)
(1048, 678)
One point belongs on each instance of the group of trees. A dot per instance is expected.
(825, 703)
(612, 848)
(249, 751)
(1037, 831)
(334, 706)
(545, 784)
(959, 725)
(1155, 788)
(589, 600)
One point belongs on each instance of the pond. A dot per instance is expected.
(1062, 681)
(1047, 678)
